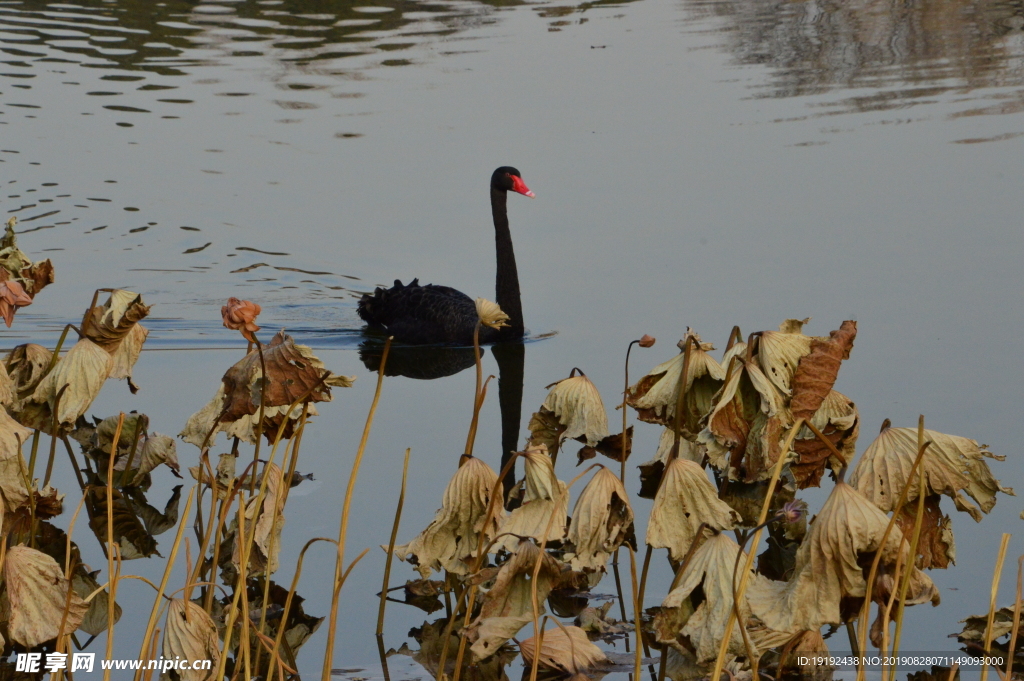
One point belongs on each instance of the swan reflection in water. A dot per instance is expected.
(426, 363)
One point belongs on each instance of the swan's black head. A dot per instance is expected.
(507, 178)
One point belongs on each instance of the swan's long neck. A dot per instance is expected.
(507, 280)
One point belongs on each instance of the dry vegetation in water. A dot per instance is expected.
(740, 438)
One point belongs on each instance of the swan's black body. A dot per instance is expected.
(419, 315)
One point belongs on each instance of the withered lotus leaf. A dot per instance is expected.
(655, 395)
(83, 370)
(269, 519)
(577, 405)
(8, 389)
(975, 626)
(154, 450)
(601, 520)
(816, 373)
(509, 600)
(191, 634)
(16, 266)
(544, 495)
(26, 364)
(13, 468)
(545, 430)
(37, 592)
(685, 500)
(94, 622)
(450, 541)
(566, 650)
(936, 547)
(107, 325)
(129, 532)
(650, 471)
(846, 532)
(490, 314)
(748, 413)
(779, 352)
(12, 297)
(127, 354)
(952, 466)
(686, 625)
(838, 420)
(806, 646)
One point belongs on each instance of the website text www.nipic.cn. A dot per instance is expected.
(85, 662)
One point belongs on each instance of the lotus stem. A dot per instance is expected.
(734, 336)
(625, 396)
(476, 392)
(391, 545)
(912, 558)
(1016, 617)
(157, 602)
(264, 383)
(343, 530)
(110, 542)
(992, 604)
(74, 461)
(680, 397)
(131, 459)
(278, 508)
(742, 590)
(53, 436)
(618, 591)
(32, 459)
(751, 651)
(643, 573)
(887, 610)
(637, 614)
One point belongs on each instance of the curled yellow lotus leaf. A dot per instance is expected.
(83, 370)
(490, 314)
(109, 324)
(577, 405)
(952, 466)
(686, 625)
(191, 634)
(686, 499)
(779, 352)
(655, 395)
(37, 593)
(601, 520)
(544, 495)
(450, 542)
(566, 650)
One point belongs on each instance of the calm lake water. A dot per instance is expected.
(697, 163)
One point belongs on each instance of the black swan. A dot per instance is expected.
(419, 315)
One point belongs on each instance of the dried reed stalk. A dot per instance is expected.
(997, 573)
(110, 541)
(391, 545)
(1016, 617)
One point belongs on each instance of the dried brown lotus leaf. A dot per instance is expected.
(292, 370)
(936, 547)
(685, 500)
(975, 626)
(816, 373)
(779, 352)
(655, 395)
(83, 370)
(563, 649)
(108, 324)
(13, 469)
(838, 420)
(129, 532)
(952, 465)
(679, 625)
(205, 420)
(8, 389)
(95, 620)
(847, 531)
(801, 651)
(26, 365)
(545, 430)
(191, 634)
(152, 451)
(601, 520)
(32, 276)
(545, 494)
(746, 395)
(37, 592)
(451, 539)
(269, 519)
(577, 405)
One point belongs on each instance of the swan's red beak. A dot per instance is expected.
(519, 186)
